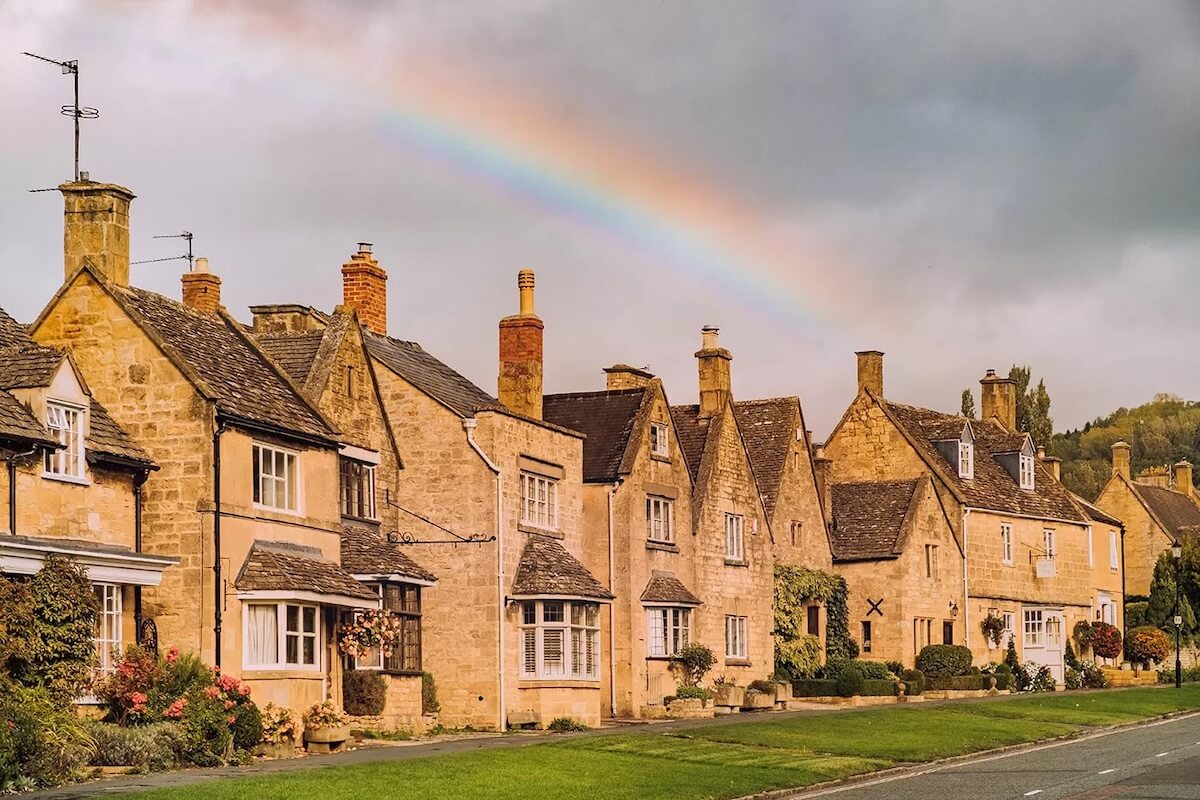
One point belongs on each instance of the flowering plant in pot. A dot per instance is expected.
(993, 628)
(279, 731)
(369, 630)
(326, 724)
(727, 693)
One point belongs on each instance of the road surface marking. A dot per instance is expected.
(1160, 755)
(1035, 791)
(1105, 771)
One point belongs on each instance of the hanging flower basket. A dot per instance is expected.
(993, 628)
(369, 630)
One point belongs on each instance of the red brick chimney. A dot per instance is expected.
(364, 287)
(520, 383)
(202, 289)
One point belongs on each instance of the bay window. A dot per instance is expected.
(282, 636)
(668, 630)
(560, 639)
(402, 601)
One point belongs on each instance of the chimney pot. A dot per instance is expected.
(364, 247)
(712, 362)
(998, 400)
(364, 288)
(519, 385)
(201, 289)
(201, 265)
(870, 371)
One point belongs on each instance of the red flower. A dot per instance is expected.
(172, 655)
(212, 692)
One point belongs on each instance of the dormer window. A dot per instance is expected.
(66, 425)
(1027, 472)
(966, 460)
(658, 439)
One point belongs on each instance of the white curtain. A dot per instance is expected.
(263, 634)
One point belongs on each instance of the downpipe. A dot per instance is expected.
(469, 426)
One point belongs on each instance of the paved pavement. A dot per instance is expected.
(1157, 761)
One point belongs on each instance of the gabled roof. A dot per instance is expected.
(992, 487)
(1095, 513)
(692, 433)
(872, 518)
(431, 376)
(293, 351)
(287, 567)
(768, 428)
(106, 440)
(367, 552)
(1173, 510)
(608, 420)
(664, 587)
(547, 569)
(18, 423)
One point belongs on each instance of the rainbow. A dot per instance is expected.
(516, 148)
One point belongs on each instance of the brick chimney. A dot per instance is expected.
(870, 371)
(1120, 459)
(715, 383)
(520, 383)
(623, 376)
(96, 228)
(364, 287)
(201, 289)
(1183, 478)
(998, 398)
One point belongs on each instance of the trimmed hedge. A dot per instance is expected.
(914, 682)
(814, 687)
(878, 688)
(364, 693)
(960, 683)
(871, 670)
(850, 683)
(944, 660)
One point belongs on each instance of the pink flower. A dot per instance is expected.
(137, 698)
(232, 719)
(172, 655)
(212, 692)
(175, 711)
(229, 704)
(244, 690)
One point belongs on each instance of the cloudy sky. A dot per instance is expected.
(962, 185)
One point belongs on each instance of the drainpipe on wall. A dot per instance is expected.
(469, 428)
(138, 482)
(966, 580)
(12, 460)
(612, 628)
(218, 594)
(1124, 623)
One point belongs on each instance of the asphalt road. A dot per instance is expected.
(1159, 761)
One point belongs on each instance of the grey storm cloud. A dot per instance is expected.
(998, 183)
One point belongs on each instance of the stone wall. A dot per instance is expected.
(1145, 541)
(806, 543)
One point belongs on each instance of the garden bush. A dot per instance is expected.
(914, 682)
(894, 667)
(958, 683)
(565, 724)
(799, 657)
(1004, 676)
(429, 698)
(1105, 640)
(944, 660)
(814, 687)
(1072, 678)
(1147, 645)
(692, 663)
(1040, 678)
(1135, 614)
(849, 683)
(871, 670)
(762, 687)
(150, 748)
(694, 693)
(42, 742)
(145, 685)
(364, 693)
(247, 727)
(1091, 676)
(1187, 675)
(205, 724)
(879, 688)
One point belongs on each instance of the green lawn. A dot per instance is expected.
(717, 761)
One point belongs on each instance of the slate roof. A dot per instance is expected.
(1174, 510)
(992, 487)
(606, 418)
(431, 376)
(367, 552)
(692, 433)
(28, 365)
(294, 352)
(1095, 513)
(105, 438)
(546, 568)
(666, 588)
(12, 333)
(870, 518)
(224, 359)
(768, 428)
(282, 566)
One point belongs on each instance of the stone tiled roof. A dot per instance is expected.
(17, 422)
(768, 427)
(224, 360)
(870, 518)
(12, 333)
(1174, 510)
(546, 568)
(367, 552)
(106, 438)
(293, 351)
(29, 365)
(666, 588)
(692, 433)
(992, 486)
(606, 418)
(1095, 513)
(282, 566)
(430, 375)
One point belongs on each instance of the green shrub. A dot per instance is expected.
(871, 670)
(1146, 645)
(958, 683)
(1069, 658)
(894, 667)
(429, 698)
(1187, 675)
(799, 657)
(41, 742)
(914, 682)
(247, 727)
(363, 693)
(944, 660)
(207, 739)
(814, 687)
(849, 683)
(565, 725)
(150, 748)
(879, 688)
(1004, 676)
(1040, 678)
(1072, 679)
(694, 693)
(1135, 614)
(692, 663)
(1091, 676)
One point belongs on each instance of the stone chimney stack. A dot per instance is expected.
(96, 228)
(520, 384)
(715, 382)
(822, 465)
(870, 371)
(202, 289)
(1120, 459)
(623, 376)
(1183, 478)
(364, 288)
(998, 398)
(1054, 464)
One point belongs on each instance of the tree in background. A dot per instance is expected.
(968, 404)
(1160, 610)
(1033, 406)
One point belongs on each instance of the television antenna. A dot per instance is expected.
(188, 255)
(76, 111)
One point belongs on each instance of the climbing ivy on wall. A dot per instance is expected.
(794, 588)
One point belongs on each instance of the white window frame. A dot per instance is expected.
(367, 474)
(1088, 540)
(289, 481)
(735, 537)
(966, 460)
(1010, 620)
(660, 519)
(65, 421)
(539, 501)
(1114, 561)
(668, 630)
(931, 562)
(1034, 628)
(1026, 471)
(578, 633)
(1048, 542)
(108, 638)
(737, 644)
(660, 441)
(283, 633)
(1006, 543)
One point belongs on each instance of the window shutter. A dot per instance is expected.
(529, 655)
